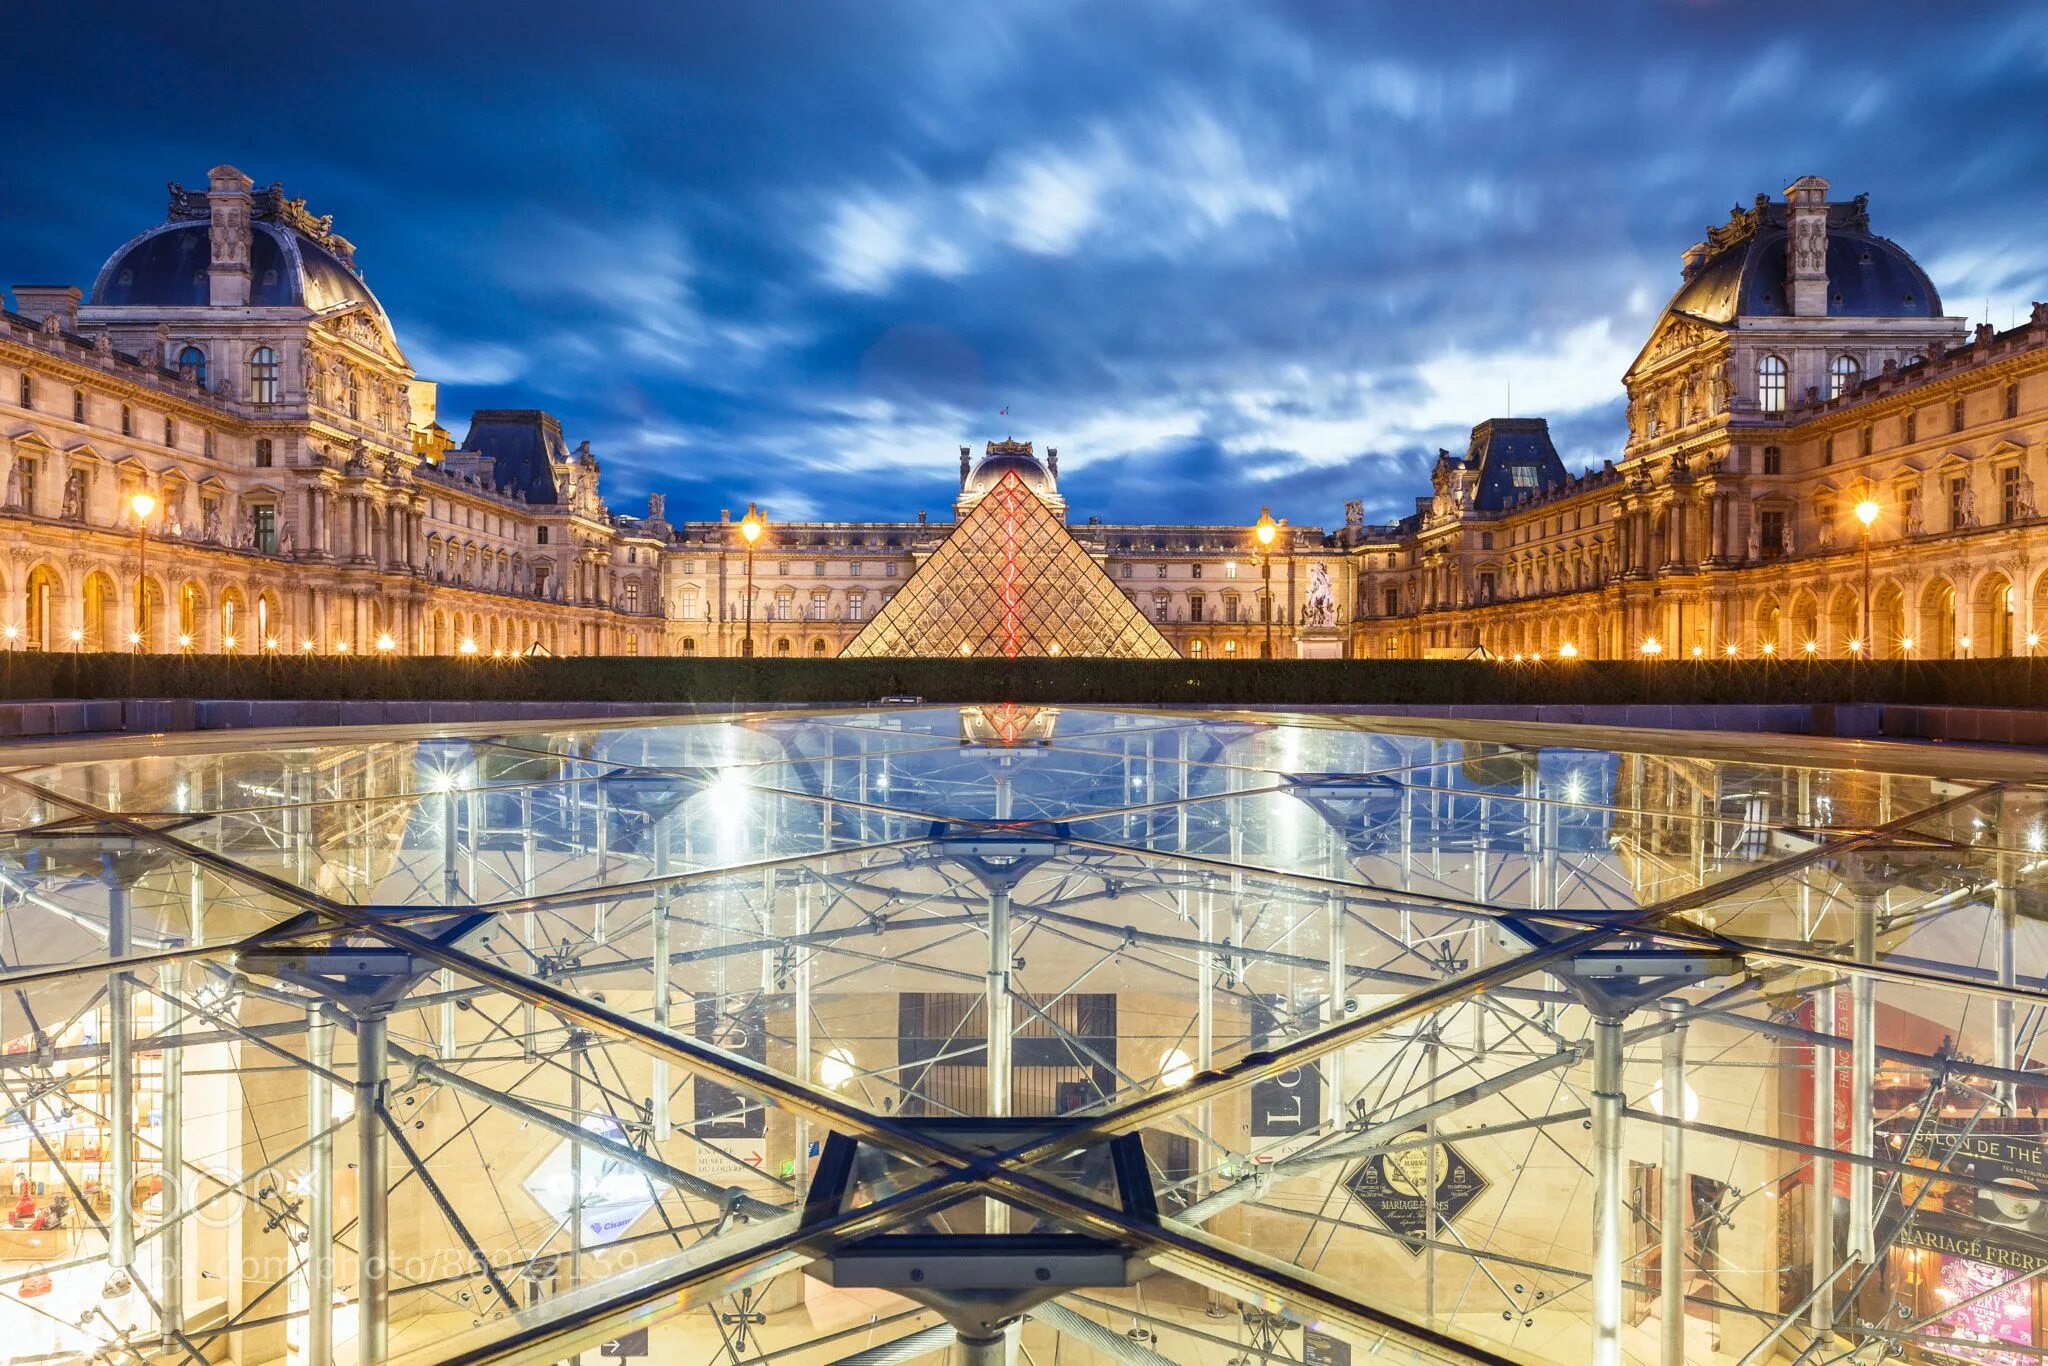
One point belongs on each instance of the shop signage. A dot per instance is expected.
(1394, 1188)
(1291, 1102)
(1951, 1242)
(2006, 1152)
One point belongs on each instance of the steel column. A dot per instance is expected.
(1677, 1207)
(170, 1250)
(373, 1228)
(1610, 1210)
(320, 1196)
(121, 1070)
(1862, 1068)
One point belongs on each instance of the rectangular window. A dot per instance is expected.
(2009, 494)
(1162, 572)
(1958, 417)
(26, 468)
(1774, 460)
(263, 453)
(1196, 570)
(1230, 569)
(1958, 489)
(856, 604)
(889, 570)
(1524, 476)
(1123, 571)
(854, 569)
(266, 529)
(1912, 432)
(78, 405)
(1486, 540)
(820, 604)
(1770, 532)
(782, 568)
(1159, 606)
(818, 570)
(686, 603)
(1865, 440)
(1195, 607)
(170, 432)
(1391, 602)
(127, 420)
(2012, 401)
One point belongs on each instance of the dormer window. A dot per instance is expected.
(192, 365)
(1843, 374)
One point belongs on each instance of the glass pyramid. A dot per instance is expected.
(1011, 580)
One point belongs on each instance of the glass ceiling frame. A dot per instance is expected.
(1175, 850)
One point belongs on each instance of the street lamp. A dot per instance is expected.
(1263, 531)
(751, 527)
(142, 504)
(1866, 513)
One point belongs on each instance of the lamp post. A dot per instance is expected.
(142, 504)
(1263, 531)
(1866, 513)
(751, 527)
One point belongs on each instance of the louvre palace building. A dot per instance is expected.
(219, 445)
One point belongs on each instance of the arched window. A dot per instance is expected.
(689, 645)
(193, 357)
(782, 646)
(1843, 372)
(818, 646)
(263, 375)
(1770, 384)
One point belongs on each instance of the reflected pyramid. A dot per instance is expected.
(1011, 581)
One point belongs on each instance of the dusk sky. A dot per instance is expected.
(1221, 255)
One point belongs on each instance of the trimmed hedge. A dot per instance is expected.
(1979, 682)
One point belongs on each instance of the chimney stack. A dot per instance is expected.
(227, 274)
(963, 466)
(39, 302)
(1806, 247)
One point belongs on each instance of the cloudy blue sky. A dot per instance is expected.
(1221, 254)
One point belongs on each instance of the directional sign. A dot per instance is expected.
(633, 1344)
(1320, 1349)
(1394, 1188)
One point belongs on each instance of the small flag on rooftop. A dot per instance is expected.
(1004, 413)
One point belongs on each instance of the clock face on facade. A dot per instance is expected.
(1394, 1188)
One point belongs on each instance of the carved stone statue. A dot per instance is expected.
(1825, 533)
(1756, 541)
(210, 529)
(1969, 505)
(14, 485)
(74, 495)
(657, 504)
(174, 521)
(2023, 499)
(1912, 515)
(287, 538)
(1785, 543)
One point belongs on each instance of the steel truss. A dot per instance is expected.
(662, 949)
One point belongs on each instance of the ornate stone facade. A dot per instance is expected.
(232, 364)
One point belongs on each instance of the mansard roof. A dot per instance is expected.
(1514, 457)
(524, 445)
